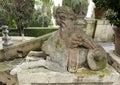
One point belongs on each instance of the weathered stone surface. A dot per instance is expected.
(5, 77)
(107, 76)
(90, 29)
(57, 51)
(35, 55)
(101, 32)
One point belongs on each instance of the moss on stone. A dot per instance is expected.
(101, 76)
(58, 44)
(85, 72)
(101, 63)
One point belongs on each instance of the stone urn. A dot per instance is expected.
(99, 13)
(117, 39)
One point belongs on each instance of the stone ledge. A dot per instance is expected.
(23, 47)
(114, 60)
(108, 76)
(103, 22)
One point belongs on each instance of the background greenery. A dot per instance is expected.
(18, 12)
(40, 20)
(31, 31)
(77, 5)
(22, 13)
(113, 13)
(101, 4)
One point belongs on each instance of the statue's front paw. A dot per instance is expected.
(15, 70)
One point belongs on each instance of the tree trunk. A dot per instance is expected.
(20, 28)
(117, 39)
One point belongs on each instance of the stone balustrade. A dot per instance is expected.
(21, 49)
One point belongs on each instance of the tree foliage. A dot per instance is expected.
(46, 10)
(113, 13)
(40, 20)
(19, 11)
(42, 14)
(22, 13)
(5, 18)
(77, 5)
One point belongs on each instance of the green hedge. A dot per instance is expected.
(31, 31)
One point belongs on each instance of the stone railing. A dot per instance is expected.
(21, 49)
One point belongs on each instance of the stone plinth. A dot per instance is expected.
(114, 60)
(104, 31)
(100, 30)
(41, 76)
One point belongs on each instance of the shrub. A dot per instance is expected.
(113, 14)
(31, 31)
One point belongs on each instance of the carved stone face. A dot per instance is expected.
(62, 14)
(60, 18)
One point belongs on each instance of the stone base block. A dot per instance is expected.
(114, 60)
(41, 76)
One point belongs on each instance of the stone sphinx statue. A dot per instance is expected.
(69, 48)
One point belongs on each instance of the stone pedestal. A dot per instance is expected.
(104, 31)
(101, 32)
(41, 76)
